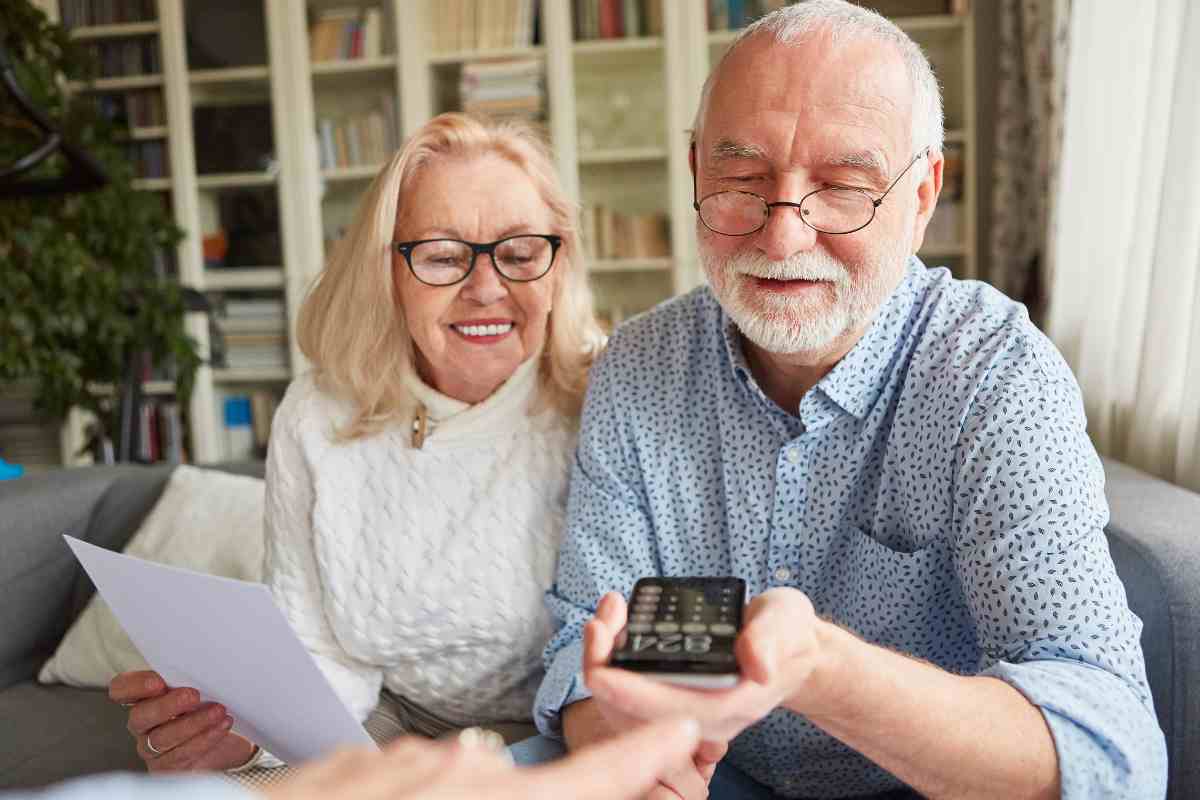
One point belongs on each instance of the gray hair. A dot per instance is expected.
(840, 19)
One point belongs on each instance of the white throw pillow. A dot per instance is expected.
(206, 521)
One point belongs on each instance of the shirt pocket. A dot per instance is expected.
(889, 596)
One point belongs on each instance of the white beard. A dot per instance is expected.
(783, 324)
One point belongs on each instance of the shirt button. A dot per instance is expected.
(783, 574)
(793, 455)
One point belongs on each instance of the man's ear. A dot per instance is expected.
(927, 195)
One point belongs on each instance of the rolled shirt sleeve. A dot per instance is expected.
(1051, 614)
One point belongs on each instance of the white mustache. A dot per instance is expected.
(817, 267)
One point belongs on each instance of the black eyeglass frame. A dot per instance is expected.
(875, 202)
(406, 249)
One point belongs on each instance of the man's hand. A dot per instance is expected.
(621, 768)
(780, 650)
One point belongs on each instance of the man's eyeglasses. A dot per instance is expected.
(444, 262)
(832, 209)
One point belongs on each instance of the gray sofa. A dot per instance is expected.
(49, 733)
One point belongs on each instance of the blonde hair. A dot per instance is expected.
(351, 325)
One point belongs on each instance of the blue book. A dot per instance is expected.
(9, 471)
(737, 14)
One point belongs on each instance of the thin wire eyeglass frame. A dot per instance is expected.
(767, 206)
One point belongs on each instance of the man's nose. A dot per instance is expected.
(785, 233)
(484, 285)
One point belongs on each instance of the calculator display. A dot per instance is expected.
(683, 625)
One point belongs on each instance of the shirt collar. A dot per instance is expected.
(855, 382)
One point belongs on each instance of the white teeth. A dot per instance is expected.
(483, 330)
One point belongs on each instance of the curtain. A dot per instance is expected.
(1029, 96)
(1125, 292)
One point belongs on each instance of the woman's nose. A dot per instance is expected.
(484, 285)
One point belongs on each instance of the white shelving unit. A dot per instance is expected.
(657, 77)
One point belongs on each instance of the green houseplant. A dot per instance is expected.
(78, 287)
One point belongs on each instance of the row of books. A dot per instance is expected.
(137, 109)
(250, 333)
(503, 88)
(247, 420)
(346, 33)
(160, 431)
(359, 139)
(724, 15)
(121, 57)
(616, 19)
(26, 437)
(610, 234)
(149, 159)
(105, 12)
(483, 24)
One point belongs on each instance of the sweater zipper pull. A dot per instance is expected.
(420, 427)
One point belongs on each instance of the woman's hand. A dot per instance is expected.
(620, 768)
(173, 731)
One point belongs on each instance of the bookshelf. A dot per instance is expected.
(331, 86)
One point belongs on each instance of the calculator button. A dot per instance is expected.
(641, 618)
(650, 588)
(639, 627)
(668, 618)
(645, 608)
(694, 627)
(722, 629)
(666, 627)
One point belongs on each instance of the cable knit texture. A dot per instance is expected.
(422, 570)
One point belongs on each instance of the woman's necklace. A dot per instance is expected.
(422, 427)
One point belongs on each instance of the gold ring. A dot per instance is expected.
(150, 746)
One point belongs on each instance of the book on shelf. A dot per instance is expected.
(465, 25)
(617, 19)
(346, 34)
(610, 234)
(149, 159)
(160, 432)
(724, 15)
(365, 139)
(247, 421)
(78, 13)
(138, 55)
(503, 88)
(250, 333)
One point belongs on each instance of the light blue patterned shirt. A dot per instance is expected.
(936, 493)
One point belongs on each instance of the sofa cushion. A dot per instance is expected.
(205, 521)
(37, 570)
(55, 732)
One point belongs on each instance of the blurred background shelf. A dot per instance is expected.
(246, 87)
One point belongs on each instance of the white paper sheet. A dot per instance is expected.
(228, 640)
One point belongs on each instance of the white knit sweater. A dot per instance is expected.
(422, 570)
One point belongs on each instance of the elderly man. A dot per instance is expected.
(895, 461)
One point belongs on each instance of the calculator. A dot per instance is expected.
(682, 630)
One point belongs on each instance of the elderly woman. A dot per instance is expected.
(417, 476)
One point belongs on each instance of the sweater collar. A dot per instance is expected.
(516, 393)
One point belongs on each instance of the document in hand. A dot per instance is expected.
(227, 639)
